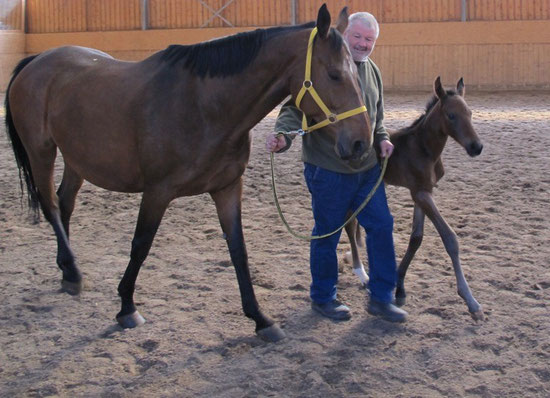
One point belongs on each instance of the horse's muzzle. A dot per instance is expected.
(353, 151)
(474, 148)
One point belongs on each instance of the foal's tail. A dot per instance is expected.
(21, 156)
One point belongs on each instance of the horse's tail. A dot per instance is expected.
(21, 156)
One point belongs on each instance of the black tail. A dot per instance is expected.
(21, 156)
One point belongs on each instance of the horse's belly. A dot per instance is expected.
(104, 166)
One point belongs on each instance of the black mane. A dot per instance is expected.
(232, 54)
(429, 105)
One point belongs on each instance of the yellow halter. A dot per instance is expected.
(307, 86)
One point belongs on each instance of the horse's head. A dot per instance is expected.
(335, 102)
(456, 117)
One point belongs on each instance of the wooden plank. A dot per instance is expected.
(81, 15)
(277, 13)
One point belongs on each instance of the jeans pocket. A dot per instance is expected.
(322, 180)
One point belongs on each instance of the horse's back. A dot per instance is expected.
(82, 101)
(54, 70)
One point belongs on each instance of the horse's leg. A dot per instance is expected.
(414, 243)
(70, 185)
(42, 165)
(425, 201)
(152, 208)
(352, 229)
(228, 206)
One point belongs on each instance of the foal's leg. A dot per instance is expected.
(354, 236)
(228, 205)
(414, 243)
(152, 208)
(42, 165)
(425, 201)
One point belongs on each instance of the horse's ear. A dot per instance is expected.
(342, 24)
(323, 22)
(438, 88)
(461, 90)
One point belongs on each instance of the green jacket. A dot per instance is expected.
(318, 147)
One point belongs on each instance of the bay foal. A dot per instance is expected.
(416, 164)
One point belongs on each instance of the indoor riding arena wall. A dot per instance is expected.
(492, 44)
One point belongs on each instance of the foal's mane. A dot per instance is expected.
(232, 54)
(429, 105)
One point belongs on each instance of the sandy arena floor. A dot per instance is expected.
(197, 342)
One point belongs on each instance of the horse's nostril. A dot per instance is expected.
(358, 147)
(475, 148)
(480, 148)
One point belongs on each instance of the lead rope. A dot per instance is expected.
(355, 213)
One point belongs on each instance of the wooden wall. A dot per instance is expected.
(12, 49)
(82, 15)
(173, 14)
(388, 11)
(489, 55)
(11, 17)
(45, 16)
(506, 10)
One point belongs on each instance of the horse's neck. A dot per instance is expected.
(431, 135)
(264, 84)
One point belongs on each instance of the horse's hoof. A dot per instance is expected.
(477, 315)
(130, 321)
(73, 288)
(271, 334)
(400, 301)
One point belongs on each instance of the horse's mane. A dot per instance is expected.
(429, 105)
(232, 54)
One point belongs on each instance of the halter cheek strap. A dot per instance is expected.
(307, 86)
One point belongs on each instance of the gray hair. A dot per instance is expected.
(366, 18)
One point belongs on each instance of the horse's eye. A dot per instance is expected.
(451, 116)
(334, 76)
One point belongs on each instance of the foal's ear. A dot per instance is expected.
(438, 88)
(342, 24)
(460, 89)
(323, 22)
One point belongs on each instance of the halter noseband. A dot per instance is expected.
(307, 86)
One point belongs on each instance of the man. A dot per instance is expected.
(339, 186)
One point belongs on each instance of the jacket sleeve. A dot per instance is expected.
(380, 132)
(289, 119)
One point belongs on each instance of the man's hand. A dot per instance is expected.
(275, 142)
(386, 148)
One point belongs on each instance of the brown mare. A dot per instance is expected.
(416, 164)
(170, 126)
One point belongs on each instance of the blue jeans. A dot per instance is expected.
(332, 196)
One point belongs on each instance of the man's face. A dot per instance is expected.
(361, 40)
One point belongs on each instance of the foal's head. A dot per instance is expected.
(335, 79)
(456, 117)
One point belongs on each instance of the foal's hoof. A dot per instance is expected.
(73, 288)
(130, 321)
(271, 334)
(478, 315)
(400, 301)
